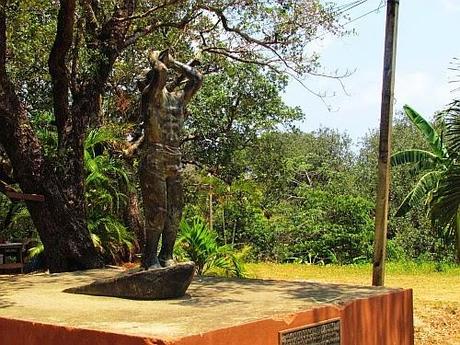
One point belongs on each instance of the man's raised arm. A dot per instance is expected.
(194, 78)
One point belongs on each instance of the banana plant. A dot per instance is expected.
(431, 164)
(439, 184)
(445, 206)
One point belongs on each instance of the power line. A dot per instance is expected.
(347, 7)
(381, 5)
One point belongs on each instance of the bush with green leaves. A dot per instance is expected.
(196, 242)
(322, 227)
(106, 178)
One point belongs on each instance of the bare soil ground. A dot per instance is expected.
(436, 294)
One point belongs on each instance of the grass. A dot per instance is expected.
(436, 291)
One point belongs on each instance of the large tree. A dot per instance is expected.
(83, 40)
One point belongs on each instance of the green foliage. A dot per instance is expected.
(46, 132)
(291, 196)
(424, 159)
(101, 56)
(429, 133)
(15, 222)
(445, 205)
(294, 203)
(30, 32)
(36, 250)
(330, 228)
(232, 108)
(452, 121)
(439, 187)
(421, 191)
(106, 177)
(436, 161)
(199, 244)
(110, 236)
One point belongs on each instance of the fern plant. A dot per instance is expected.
(199, 244)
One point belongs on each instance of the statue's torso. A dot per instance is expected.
(162, 131)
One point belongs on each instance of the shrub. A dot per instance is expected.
(198, 244)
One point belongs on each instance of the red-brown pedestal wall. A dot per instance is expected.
(385, 319)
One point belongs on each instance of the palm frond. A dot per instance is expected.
(99, 136)
(422, 166)
(446, 199)
(97, 243)
(428, 132)
(453, 127)
(199, 244)
(421, 191)
(413, 156)
(36, 250)
(96, 177)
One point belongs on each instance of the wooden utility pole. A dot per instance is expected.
(386, 116)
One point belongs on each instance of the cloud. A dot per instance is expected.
(451, 5)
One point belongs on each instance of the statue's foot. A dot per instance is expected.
(167, 262)
(152, 264)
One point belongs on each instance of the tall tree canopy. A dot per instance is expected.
(66, 57)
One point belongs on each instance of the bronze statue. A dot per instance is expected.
(163, 113)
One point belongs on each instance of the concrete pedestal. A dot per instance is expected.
(215, 311)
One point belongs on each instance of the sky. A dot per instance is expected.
(427, 45)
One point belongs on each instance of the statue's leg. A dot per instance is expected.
(173, 217)
(153, 186)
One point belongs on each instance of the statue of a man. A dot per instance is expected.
(163, 114)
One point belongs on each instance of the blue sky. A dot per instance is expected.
(427, 44)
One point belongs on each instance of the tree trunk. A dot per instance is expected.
(63, 231)
(61, 218)
(457, 238)
(60, 223)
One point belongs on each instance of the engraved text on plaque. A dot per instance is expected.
(326, 333)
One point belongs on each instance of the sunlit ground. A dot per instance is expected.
(436, 294)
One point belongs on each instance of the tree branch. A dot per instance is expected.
(139, 33)
(17, 137)
(91, 20)
(75, 52)
(266, 43)
(57, 63)
(231, 54)
(2, 38)
(150, 11)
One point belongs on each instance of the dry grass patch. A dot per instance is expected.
(436, 294)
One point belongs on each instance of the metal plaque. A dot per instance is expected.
(324, 333)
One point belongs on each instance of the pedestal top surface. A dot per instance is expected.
(210, 303)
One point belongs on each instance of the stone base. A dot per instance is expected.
(215, 311)
(152, 284)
